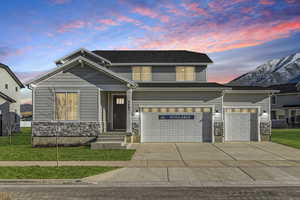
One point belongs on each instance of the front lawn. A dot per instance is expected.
(21, 150)
(289, 137)
(63, 172)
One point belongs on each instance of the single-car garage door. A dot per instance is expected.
(180, 124)
(241, 124)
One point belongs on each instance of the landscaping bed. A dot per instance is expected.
(20, 149)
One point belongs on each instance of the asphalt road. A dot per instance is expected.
(156, 193)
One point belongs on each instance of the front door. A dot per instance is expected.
(119, 112)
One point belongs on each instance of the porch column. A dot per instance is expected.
(100, 116)
(129, 110)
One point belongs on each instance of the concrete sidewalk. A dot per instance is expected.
(163, 163)
(230, 176)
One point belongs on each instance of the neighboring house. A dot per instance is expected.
(158, 96)
(286, 106)
(10, 87)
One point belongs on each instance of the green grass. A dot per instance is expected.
(63, 172)
(21, 150)
(289, 137)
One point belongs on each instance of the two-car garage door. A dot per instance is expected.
(180, 124)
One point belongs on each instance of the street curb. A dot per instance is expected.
(41, 181)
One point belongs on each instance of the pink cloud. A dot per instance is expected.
(150, 13)
(213, 40)
(290, 1)
(194, 7)
(72, 25)
(246, 10)
(266, 2)
(108, 22)
(221, 5)
(123, 18)
(172, 9)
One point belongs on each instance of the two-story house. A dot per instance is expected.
(155, 95)
(286, 106)
(10, 87)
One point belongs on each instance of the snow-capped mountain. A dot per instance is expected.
(276, 71)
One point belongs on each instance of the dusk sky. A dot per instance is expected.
(238, 35)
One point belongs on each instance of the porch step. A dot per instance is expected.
(108, 145)
(109, 141)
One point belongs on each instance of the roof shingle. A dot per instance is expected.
(153, 56)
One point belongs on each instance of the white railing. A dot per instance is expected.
(25, 124)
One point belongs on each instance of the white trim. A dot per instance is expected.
(250, 91)
(33, 103)
(80, 50)
(180, 89)
(292, 93)
(164, 64)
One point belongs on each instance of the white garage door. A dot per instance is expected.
(176, 125)
(241, 124)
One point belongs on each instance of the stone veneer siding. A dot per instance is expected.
(265, 131)
(218, 131)
(65, 129)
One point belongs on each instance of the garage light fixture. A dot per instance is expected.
(137, 113)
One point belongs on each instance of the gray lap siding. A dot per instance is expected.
(243, 100)
(161, 73)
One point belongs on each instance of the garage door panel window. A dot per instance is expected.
(241, 110)
(177, 109)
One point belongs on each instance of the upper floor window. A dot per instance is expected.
(273, 100)
(185, 73)
(6, 86)
(16, 89)
(66, 106)
(141, 73)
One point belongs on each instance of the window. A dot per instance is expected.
(141, 73)
(273, 114)
(16, 89)
(185, 73)
(273, 100)
(120, 100)
(66, 106)
(6, 86)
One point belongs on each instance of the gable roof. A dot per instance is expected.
(5, 67)
(285, 88)
(153, 56)
(7, 98)
(63, 59)
(81, 59)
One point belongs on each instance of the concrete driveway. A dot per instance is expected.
(203, 164)
(214, 155)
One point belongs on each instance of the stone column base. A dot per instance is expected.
(218, 139)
